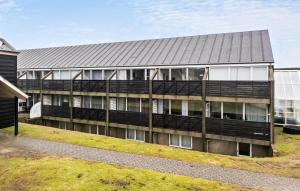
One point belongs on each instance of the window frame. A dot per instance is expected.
(180, 142)
(134, 139)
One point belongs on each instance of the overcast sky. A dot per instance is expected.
(40, 23)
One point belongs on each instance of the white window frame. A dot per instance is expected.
(238, 148)
(134, 139)
(180, 142)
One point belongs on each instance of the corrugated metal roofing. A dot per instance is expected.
(5, 46)
(225, 48)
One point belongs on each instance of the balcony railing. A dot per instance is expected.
(254, 89)
(56, 111)
(242, 89)
(29, 84)
(238, 128)
(89, 114)
(191, 88)
(225, 127)
(176, 122)
(57, 85)
(129, 86)
(89, 85)
(129, 118)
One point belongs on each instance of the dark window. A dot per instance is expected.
(215, 109)
(244, 149)
(195, 108)
(233, 111)
(176, 107)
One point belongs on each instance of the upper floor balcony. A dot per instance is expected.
(213, 88)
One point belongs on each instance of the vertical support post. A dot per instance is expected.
(204, 143)
(151, 106)
(271, 106)
(107, 109)
(41, 93)
(72, 98)
(16, 117)
(107, 130)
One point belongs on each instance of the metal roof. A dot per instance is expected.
(5, 46)
(224, 48)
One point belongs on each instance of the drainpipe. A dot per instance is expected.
(107, 132)
(151, 106)
(71, 97)
(205, 77)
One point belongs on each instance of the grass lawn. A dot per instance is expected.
(22, 171)
(285, 163)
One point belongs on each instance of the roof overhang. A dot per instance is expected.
(8, 90)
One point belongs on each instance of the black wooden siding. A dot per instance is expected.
(8, 70)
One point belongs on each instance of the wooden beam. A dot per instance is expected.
(271, 106)
(71, 104)
(151, 106)
(20, 76)
(107, 131)
(41, 91)
(205, 77)
(16, 117)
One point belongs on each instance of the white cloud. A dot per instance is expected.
(187, 17)
(6, 6)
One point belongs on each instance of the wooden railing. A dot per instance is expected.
(253, 89)
(241, 89)
(238, 128)
(226, 127)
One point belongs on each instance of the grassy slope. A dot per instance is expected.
(36, 173)
(286, 163)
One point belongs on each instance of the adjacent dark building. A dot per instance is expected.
(8, 92)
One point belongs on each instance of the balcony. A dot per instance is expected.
(238, 128)
(89, 114)
(89, 85)
(240, 89)
(29, 84)
(57, 85)
(189, 88)
(177, 122)
(56, 111)
(129, 118)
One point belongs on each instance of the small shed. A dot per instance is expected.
(9, 93)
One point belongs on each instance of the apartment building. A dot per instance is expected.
(212, 93)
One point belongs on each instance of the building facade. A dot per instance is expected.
(209, 93)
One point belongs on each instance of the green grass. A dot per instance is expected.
(285, 163)
(41, 172)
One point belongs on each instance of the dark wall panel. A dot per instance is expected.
(8, 70)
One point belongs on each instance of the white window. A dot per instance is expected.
(136, 135)
(97, 75)
(181, 141)
(64, 75)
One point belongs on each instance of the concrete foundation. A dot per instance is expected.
(197, 143)
(222, 147)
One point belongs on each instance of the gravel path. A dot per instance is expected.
(232, 176)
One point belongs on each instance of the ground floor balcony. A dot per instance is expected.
(213, 126)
